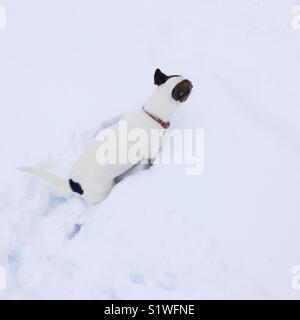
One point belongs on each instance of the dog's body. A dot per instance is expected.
(94, 181)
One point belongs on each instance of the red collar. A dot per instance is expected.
(164, 124)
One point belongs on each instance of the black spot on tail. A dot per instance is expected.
(75, 186)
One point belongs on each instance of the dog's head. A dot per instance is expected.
(179, 87)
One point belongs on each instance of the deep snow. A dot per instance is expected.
(233, 232)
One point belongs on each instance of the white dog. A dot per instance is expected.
(93, 180)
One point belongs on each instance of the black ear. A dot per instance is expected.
(159, 77)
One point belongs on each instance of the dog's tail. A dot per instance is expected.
(53, 179)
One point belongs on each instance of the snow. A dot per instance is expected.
(232, 232)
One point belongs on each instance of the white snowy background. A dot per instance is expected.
(233, 232)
